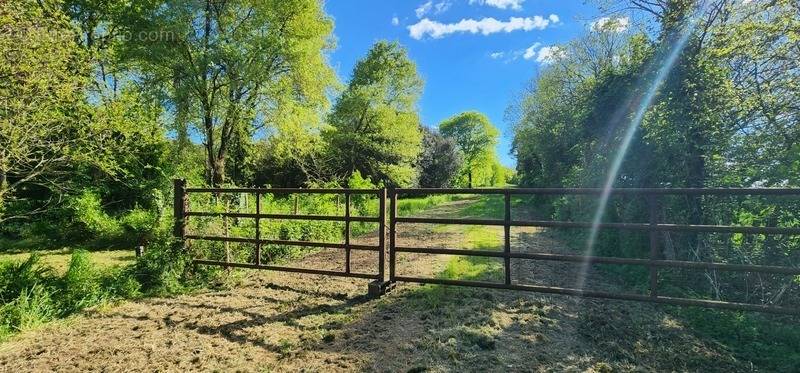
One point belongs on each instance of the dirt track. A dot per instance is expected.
(287, 322)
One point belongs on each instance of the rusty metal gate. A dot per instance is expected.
(380, 284)
(654, 263)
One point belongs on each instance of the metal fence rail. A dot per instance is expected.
(654, 263)
(183, 213)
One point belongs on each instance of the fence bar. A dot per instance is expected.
(278, 190)
(507, 238)
(598, 191)
(382, 234)
(652, 204)
(606, 295)
(608, 260)
(630, 226)
(365, 219)
(283, 269)
(392, 232)
(327, 245)
(347, 232)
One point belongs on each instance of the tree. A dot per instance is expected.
(439, 162)
(42, 76)
(375, 125)
(475, 136)
(227, 67)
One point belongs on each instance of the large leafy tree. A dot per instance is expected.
(475, 136)
(42, 76)
(375, 125)
(227, 68)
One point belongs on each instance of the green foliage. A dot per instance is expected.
(714, 122)
(161, 270)
(42, 108)
(375, 125)
(16, 277)
(90, 217)
(238, 65)
(476, 137)
(440, 161)
(33, 294)
(80, 286)
(33, 306)
(764, 340)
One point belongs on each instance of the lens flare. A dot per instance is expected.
(652, 90)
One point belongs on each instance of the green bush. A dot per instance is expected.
(16, 277)
(26, 290)
(139, 226)
(32, 294)
(90, 218)
(33, 306)
(80, 285)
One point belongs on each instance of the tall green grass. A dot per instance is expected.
(33, 293)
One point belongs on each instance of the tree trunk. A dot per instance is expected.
(3, 187)
(218, 172)
(696, 178)
(469, 177)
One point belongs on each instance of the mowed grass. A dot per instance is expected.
(472, 237)
(59, 259)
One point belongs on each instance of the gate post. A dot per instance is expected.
(652, 204)
(392, 233)
(179, 212)
(507, 236)
(380, 285)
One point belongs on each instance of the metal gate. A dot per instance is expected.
(377, 287)
(380, 284)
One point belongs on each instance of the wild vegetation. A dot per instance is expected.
(720, 118)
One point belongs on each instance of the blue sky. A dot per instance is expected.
(462, 70)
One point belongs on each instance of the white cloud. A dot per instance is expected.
(619, 24)
(542, 55)
(424, 9)
(395, 21)
(485, 26)
(500, 4)
(442, 7)
(432, 8)
(548, 55)
(554, 18)
(530, 52)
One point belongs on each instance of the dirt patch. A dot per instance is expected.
(286, 322)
